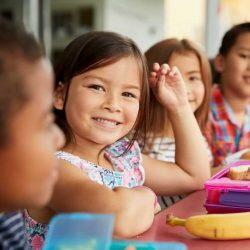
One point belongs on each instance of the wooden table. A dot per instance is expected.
(191, 205)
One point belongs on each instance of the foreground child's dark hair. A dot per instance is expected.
(16, 47)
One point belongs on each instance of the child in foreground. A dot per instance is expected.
(28, 134)
(101, 96)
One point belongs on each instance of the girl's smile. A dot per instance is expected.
(106, 122)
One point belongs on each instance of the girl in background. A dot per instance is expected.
(194, 67)
(102, 94)
(229, 126)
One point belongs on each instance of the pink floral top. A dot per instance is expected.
(128, 172)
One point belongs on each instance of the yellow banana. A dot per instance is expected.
(216, 226)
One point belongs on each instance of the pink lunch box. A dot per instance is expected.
(224, 195)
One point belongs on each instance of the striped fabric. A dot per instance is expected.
(164, 149)
(224, 135)
(12, 231)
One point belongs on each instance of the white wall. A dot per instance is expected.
(141, 20)
(221, 16)
(186, 19)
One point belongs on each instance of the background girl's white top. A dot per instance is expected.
(163, 149)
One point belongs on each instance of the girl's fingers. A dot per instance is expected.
(164, 76)
(160, 83)
(173, 71)
(156, 67)
(161, 79)
(158, 70)
(153, 74)
(152, 81)
(165, 69)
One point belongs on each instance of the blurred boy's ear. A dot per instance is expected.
(219, 63)
(59, 96)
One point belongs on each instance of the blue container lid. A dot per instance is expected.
(80, 231)
(121, 245)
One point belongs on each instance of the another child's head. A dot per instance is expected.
(195, 69)
(233, 60)
(28, 135)
(101, 89)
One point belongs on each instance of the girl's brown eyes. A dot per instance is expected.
(244, 56)
(96, 87)
(128, 94)
(194, 78)
(100, 88)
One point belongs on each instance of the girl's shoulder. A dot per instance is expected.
(127, 169)
(127, 159)
(77, 161)
(73, 159)
(123, 145)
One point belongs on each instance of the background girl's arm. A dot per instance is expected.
(191, 169)
(191, 166)
(133, 208)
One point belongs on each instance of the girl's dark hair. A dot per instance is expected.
(16, 47)
(230, 37)
(228, 41)
(161, 52)
(94, 50)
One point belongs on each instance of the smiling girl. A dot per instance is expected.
(194, 67)
(229, 129)
(102, 95)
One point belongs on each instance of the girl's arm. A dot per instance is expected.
(75, 192)
(191, 167)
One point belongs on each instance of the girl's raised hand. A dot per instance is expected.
(168, 86)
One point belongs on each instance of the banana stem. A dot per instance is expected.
(175, 221)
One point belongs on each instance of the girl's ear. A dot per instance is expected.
(59, 96)
(219, 63)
